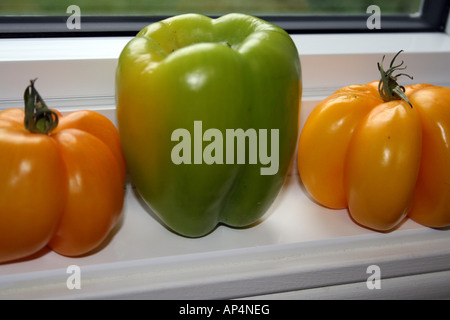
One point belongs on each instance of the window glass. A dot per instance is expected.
(211, 7)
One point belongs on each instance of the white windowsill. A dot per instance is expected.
(79, 72)
(299, 246)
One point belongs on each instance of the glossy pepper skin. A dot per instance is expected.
(61, 180)
(383, 154)
(234, 72)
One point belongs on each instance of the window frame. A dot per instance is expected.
(78, 73)
(433, 18)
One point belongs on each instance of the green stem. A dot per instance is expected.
(38, 117)
(388, 87)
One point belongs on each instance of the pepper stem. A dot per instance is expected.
(388, 87)
(38, 117)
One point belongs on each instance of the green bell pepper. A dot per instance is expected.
(208, 114)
